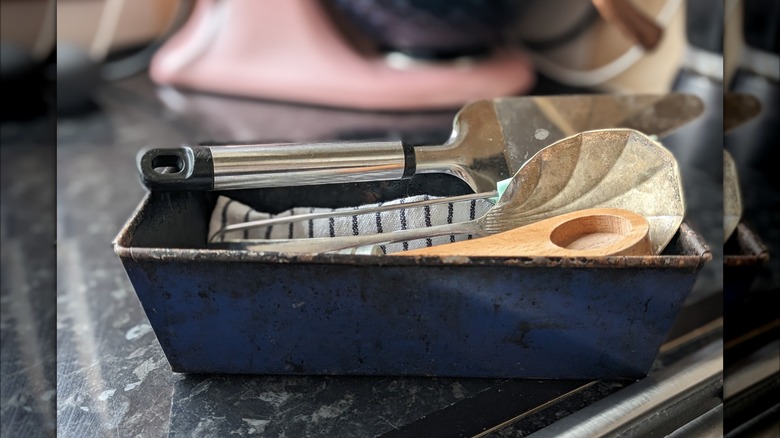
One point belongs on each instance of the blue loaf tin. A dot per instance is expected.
(231, 311)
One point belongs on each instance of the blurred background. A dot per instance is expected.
(27, 231)
(576, 48)
(131, 74)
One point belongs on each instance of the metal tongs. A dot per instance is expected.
(610, 168)
(491, 140)
(346, 212)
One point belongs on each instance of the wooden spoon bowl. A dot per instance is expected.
(595, 232)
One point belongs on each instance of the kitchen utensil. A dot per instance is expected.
(586, 233)
(345, 212)
(278, 220)
(611, 168)
(491, 140)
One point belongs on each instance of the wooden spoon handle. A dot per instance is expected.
(585, 233)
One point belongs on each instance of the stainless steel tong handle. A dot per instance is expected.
(347, 212)
(274, 165)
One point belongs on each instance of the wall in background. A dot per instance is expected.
(140, 21)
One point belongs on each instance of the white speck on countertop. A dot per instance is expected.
(457, 390)
(257, 426)
(333, 410)
(105, 395)
(143, 370)
(138, 331)
(274, 398)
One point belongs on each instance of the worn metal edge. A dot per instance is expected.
(700, 254)
(755, 251)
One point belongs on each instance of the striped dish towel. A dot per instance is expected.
(228, 211)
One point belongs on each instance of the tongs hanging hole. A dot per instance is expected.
(167, 164)
(181, 168)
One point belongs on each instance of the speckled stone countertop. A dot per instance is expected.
(112, 376)
(28, 294)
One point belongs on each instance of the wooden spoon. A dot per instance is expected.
(585, 233)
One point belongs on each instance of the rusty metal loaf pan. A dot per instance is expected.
(223, 311)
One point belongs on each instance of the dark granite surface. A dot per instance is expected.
(112, 376)
(28, 293)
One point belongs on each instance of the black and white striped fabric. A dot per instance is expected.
(228, 211)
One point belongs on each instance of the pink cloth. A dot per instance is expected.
(290, 50)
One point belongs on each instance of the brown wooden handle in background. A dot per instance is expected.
(631, 21)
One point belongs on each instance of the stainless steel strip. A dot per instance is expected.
(274, 165)
(708, 425)
(639, 408)
(752, 369)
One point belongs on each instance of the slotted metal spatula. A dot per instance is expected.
(490, 141)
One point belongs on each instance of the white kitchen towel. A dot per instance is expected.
(228, 211)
